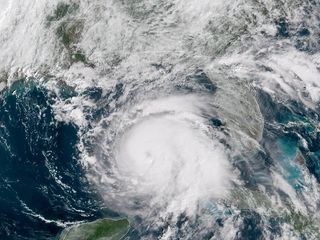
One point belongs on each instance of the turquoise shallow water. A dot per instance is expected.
(95, 67)
(35, 146)
(287, 160)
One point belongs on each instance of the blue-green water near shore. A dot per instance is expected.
(192, 119)
(43, 187)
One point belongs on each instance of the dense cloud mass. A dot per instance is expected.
(193, 119)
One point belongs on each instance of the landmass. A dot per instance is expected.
(98, 230)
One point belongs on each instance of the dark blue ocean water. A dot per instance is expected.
(294, 130)
(42, 183)
(39, 169)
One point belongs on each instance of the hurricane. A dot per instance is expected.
(166, 119)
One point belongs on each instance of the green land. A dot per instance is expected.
(98, 230)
